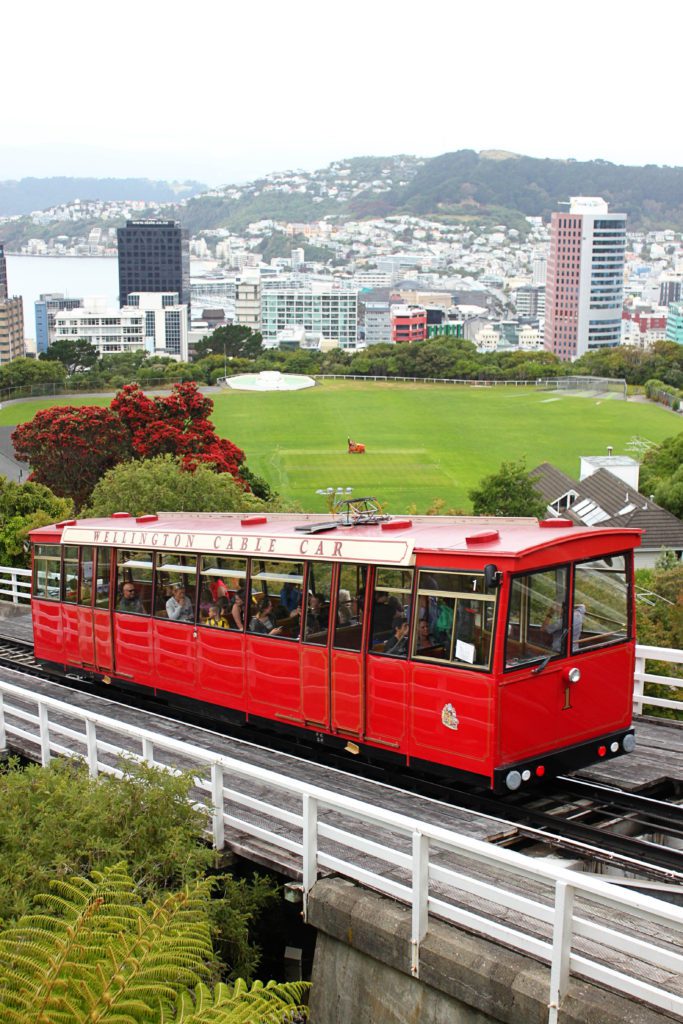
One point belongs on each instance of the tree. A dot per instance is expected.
(177, 424)
(24, 507)
(25, 372)
(58, 819)
(95, 952)
(509, 492)
(232, 341)
(73, 353)
(69, 448)
(161, 484)
(661, 474)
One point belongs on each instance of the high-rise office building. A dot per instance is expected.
(585, 280)
(670, 289)
(11, 318)
(45, 309)
(154, 256)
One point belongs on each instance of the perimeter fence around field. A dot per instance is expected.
(46, 389)
(586, 385)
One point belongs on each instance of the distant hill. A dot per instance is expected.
(465, 183)
(29, 194)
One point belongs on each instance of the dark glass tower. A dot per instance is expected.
(154, 256)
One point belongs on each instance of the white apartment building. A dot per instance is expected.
(153, 321)
(377, 323)
(248, 299)
(334, 314)
(487, 339)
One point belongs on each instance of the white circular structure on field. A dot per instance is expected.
(269, 380)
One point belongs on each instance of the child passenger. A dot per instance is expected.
(216, 618)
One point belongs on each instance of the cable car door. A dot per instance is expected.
(347, 663)
(101, 616)
(315, 653)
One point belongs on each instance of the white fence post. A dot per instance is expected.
(562, 948)
(310, 846)
(218, 810)
(44, 734)
(15, 589)
(148, 750)
(3, 733)
(420, 900)
(638, 683)
(91, 741)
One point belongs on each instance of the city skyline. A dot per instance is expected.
(305, 89)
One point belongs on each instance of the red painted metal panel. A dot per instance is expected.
(175, 646)
(133, 648)
(543, 712)
(315, 678)
(86, 636)
(386, 701)
(346, 678)
(221, 676)
(464, 700)
(47, 630)
(104, 641)
(274, 678)
(71, 635)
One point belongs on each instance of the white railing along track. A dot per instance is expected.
(577, 924)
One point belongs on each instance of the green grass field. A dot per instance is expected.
(423, 441)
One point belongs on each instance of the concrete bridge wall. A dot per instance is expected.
(361, 972)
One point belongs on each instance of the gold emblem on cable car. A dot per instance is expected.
(449, 718)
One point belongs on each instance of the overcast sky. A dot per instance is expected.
(223, 92)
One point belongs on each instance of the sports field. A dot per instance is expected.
(424, 441)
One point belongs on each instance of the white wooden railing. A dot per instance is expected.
(577, 924)
(641, 677)
(15, 584)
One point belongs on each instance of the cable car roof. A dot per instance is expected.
(390, 541)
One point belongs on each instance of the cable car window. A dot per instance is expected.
(391, 612)
(222, 593)
(538, 617)
(317, 626)
(601, 603)
(47, 571)
(85, 577)
(134, 575)
(348, 631)
(70, 574)
(102, 576)
(176, 587)
(455, 618)
(276, 591)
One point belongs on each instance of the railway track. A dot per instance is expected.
(637, 834)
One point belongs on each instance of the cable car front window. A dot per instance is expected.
(537, 618)
(601, 603)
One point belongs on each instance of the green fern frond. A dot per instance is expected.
(238, 1004)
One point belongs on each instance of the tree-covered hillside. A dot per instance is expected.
(465, 182)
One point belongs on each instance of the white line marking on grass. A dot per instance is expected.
(544, 401)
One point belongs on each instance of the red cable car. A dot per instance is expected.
(495, 650)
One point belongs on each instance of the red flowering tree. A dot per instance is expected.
(69, 448)
(176, 424)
